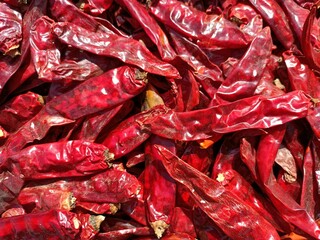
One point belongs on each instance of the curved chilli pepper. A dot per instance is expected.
(44, 52)
(159, 187)
(19, 110)
(60, 159)
(247, 113)
(59, 224)
(207, 30)
(244, 78)
(151, 27)
(310, 51)
(9, 66)
(10, 30)
(227, 157)
(127, 50)
(276, 19)
(297, 16)
(131, 133)
(216, 201)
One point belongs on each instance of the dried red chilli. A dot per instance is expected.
(48, 224)
(109, 45)
(110, 186)
(265, 132)
(60, 159)
(98, 6)
(93, 95)
(8, 65)
(246, 18)
(159, 188)
(208, 30)
(44, 52)
(309, 184)
(40, 201)
(197, 157)
(242, 114)
(116, 228)
(211, 200)
(277, 20)
(268, 146)
(296, 14)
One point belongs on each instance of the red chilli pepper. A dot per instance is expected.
(109, 45)
(207, 30)
(159, 188)
(216, 200)
(277, 20)
(60, 159)
(50, 224)
(247, 113)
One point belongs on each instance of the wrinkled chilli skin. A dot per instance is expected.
(171, 119)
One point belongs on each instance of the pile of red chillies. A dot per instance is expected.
(171, 119)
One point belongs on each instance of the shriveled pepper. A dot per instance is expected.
(216, 200)
(60, 159)
(247, 113)
(208, 30)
